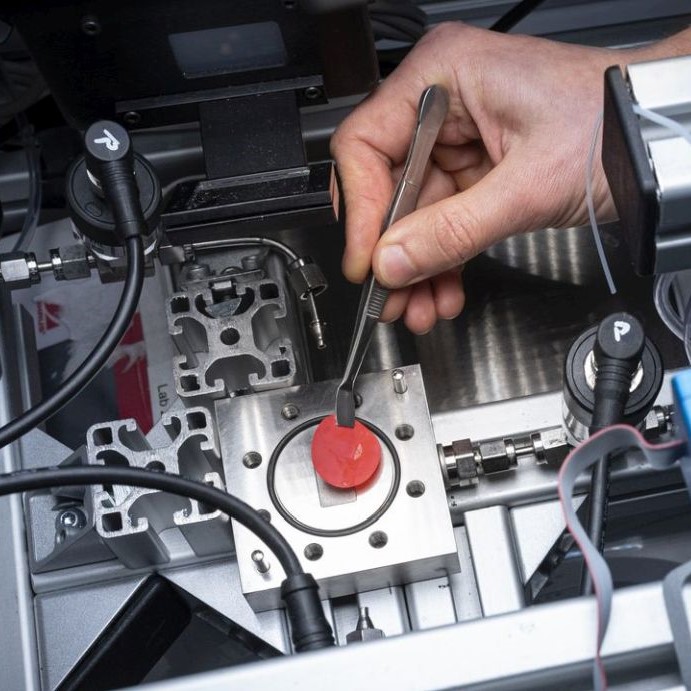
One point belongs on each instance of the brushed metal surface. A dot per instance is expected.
(527, 299)
(421, 542)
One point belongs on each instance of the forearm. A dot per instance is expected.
(672, 47)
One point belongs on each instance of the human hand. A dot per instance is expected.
(510, 158)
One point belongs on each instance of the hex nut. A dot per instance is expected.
(306, 278)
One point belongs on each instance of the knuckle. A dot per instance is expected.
(454, 233)
(442, 32)
(337, 140)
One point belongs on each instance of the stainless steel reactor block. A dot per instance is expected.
(232, 337)
(131, 519)
(395, 529)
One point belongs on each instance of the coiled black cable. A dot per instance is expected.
(98, 357)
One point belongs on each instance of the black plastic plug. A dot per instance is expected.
(618, 350)
(309, 626)
(110, 164)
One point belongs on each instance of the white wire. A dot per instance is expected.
(663, 121)
(597, 236)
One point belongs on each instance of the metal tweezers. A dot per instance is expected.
(432, 110)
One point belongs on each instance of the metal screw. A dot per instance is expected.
(313, 551)
(290, 411)
(260, 563)
(313, 93)
(196, 272)
(132, 117)
(399, 383)
(252, 262)
(252, 459)
(378, 539)
(357, 399)
(72, 518)
(90, 25)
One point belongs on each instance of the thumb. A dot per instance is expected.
(441, 236)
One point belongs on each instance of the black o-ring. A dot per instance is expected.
(271, 471)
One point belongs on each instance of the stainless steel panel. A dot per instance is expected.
(536, 528)
(550, 646)
(420, 538)
(18, 644)
(493, 551)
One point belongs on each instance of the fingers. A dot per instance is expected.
(367, 187)
(365, 148)
(440, 298)
(454, 158)
(448, 233)
(420, 313)
(373, 139)
(449, 297)
(395, 305)
(465, 165)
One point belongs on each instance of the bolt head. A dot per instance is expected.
(290, 411)
(72, 518)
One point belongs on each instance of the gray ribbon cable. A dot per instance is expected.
(616, 438)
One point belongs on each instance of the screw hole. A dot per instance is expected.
(404, 432)
(132, 117)
(378, 539)
(91, 26)
(312, 93)
(252, 459)
(415, 488)
(313, 551)
(290, 411)
(156, 465)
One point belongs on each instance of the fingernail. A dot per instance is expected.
(394, 265)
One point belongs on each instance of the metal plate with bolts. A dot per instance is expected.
(395, 529)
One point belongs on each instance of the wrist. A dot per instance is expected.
(672, 47)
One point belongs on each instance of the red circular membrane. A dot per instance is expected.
(345, 457)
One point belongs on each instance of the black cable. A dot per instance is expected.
(598, 509)
(98, 356)
(398, 21)
(517, 13)
(396, 29)
(34, 197)
(618, 349)
(47, 478)
(310, 629)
